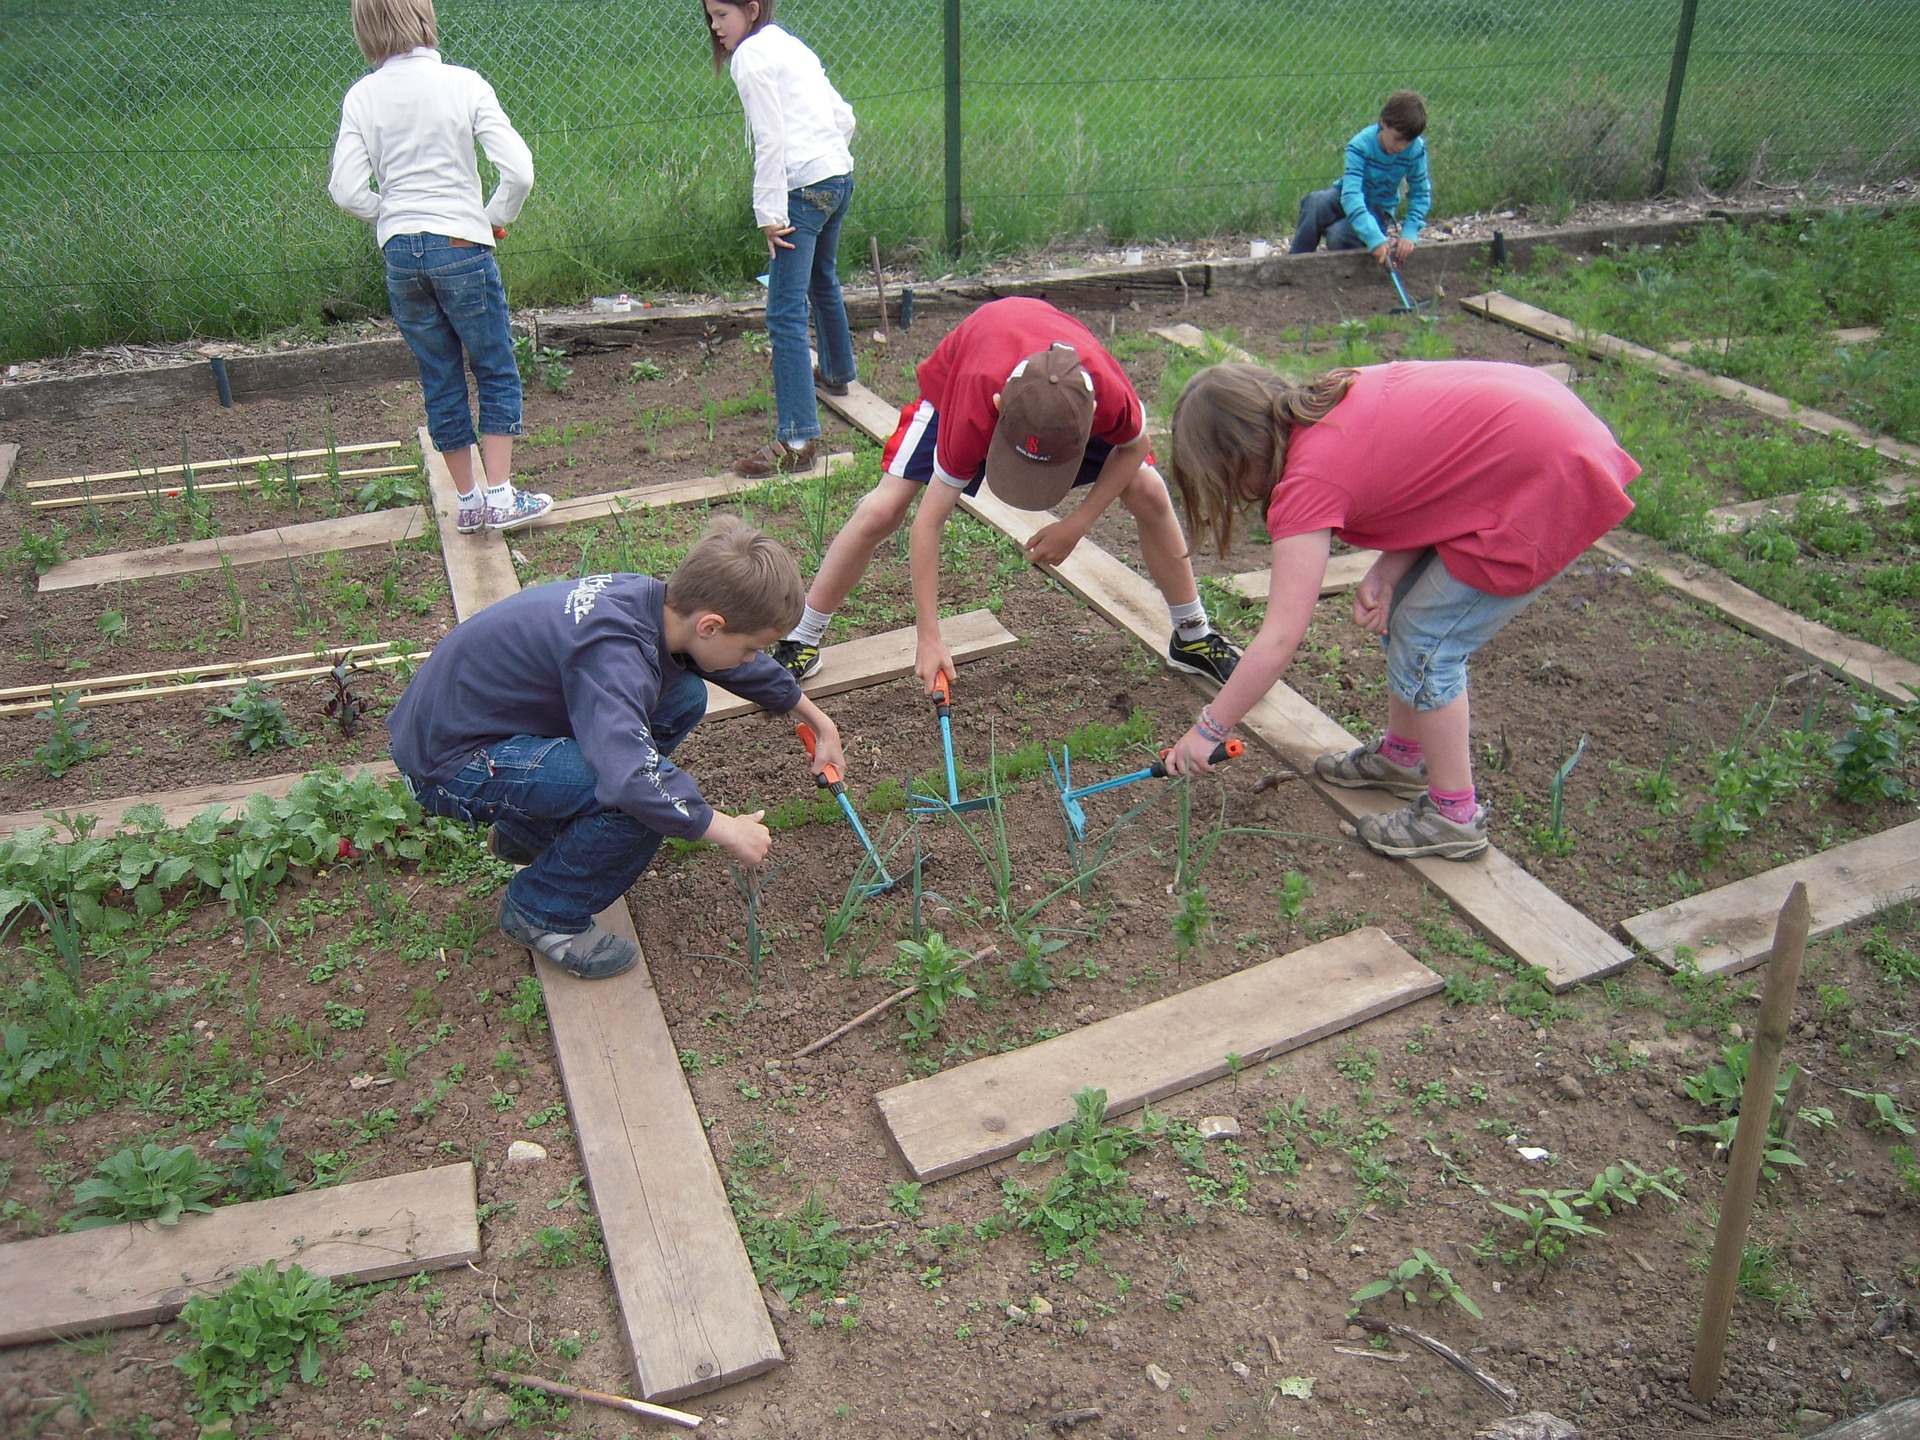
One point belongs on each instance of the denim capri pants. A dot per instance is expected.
(1435, 624)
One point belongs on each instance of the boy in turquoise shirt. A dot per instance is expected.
(1355, 213)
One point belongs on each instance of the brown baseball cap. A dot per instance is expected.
(1046, 414)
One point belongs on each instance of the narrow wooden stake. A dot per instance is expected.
(880, 284)
(185, 672)
(201, 465)
(173, 492)
(1749, 1142)
(598, 1397)
(894, 999)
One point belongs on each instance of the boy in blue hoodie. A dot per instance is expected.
(1355, 213)
(549, 717)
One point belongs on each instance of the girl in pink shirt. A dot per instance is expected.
(1478, 482)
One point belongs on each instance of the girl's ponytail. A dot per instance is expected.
(1230, 431)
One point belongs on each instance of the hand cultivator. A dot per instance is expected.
(832, 782)
(1406, 306)
(932, 804)
(1070, 798)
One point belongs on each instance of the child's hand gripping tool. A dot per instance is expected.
(830, 781)
(953, 804)
(1070, 798)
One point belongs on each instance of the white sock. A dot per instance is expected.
(812, 628)
(796, 446)
(468, 498)
(1190, 619)
(500, 497)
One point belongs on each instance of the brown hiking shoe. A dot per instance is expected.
(776, 458)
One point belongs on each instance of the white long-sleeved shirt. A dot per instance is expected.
(410, 127)
(797, 123)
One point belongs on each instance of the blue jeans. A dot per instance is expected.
(1434, 625)
(803, 279)
(1322, 216)
(538, 792)
(448, 302)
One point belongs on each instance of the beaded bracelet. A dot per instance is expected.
(1209, 728)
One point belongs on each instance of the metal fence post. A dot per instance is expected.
(952, 8)
(1676, 78)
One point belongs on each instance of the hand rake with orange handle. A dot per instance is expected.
(953, 804)
(1070, 798)
(831, 781)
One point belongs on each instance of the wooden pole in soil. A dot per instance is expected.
(1749, 1142)
(880, 284)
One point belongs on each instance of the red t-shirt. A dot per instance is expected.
(968, 368)
(1498, 467)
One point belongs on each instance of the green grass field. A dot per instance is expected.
(162, 171)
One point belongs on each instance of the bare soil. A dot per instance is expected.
(1239, 1274)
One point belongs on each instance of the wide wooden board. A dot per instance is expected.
(1732, 928)
(691, 1308)
(479, 569)
(876, 659)
(136, 1274)
(315, 537)
(1881, 671)
(1548, 326)
(1343, 573)
(674, 492)
(988, 1109)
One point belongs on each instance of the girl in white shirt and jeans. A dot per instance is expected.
(802, 183)
(410, 128)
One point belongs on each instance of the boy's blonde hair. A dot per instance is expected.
(1230, 431)
(761, 20)
(386, 28)
(1405, 113)
(735, 571)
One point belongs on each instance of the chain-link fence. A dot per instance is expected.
(163, 169)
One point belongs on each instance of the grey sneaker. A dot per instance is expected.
(501, 848)
(470, 517)
(1211, 655)
(526, 508)
(1367, 769)
(800, 657)
(1420, 829)
(593, 954)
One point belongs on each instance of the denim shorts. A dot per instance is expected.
(909, 453)
(1434, 626)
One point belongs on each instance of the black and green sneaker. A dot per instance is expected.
(1211, 655)
(800, 658)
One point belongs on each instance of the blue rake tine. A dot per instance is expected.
(1394, 275)
(1076, 818)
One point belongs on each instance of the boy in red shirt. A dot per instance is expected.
(1478, 482)
(1022, 396)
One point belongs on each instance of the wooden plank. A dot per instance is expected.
(863, 410)
(9, 452)
(1852, 335)
(1732, 928)
(479, 569)
(694, 1316)
(876, 659)
(82, 397)
(177, 807)
(991, 1108)
(674, 492)
(1192, 337)
(314, 537)
(1343, 573)
(1548, 326)
(137, 1274)
(290, 372)
(1893, 489)
(1884, 673)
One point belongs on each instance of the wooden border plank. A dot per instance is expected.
(1731, 928)
(991, 1108)
(9, 452)
(177, 807)
(1895, 489)
(693, 1312)
(1534, 321)
(136, 1274)
(479, 569)
(1343, 573)
(675, 492)
(313, 537)
(1192, 337)
(876, 659)
(1884, 673)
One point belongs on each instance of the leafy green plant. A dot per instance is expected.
(1550, 1224)
(260, 1165)
(1290, 899)
(1029, 973)
(1553, 839)
(1623, 1184)
(1192, 923)
(151, 1183)
(546, 364)
(1868, 757)
(42, 552)
(255, 1335)
(1888, 1117)
(904, 1197)
(262, 720)
(66, 744)
(647, 369)
(1089, 1194)
(1416, 1278)
(938, 972)
(112, 626)
(344, 705)
(1657, 787)
(794, 1253)
(1720, 1087)
(1906, 1168)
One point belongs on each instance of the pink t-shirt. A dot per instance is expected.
(968, 368)
(1498, 467)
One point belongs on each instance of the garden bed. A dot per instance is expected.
(371, 1005)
